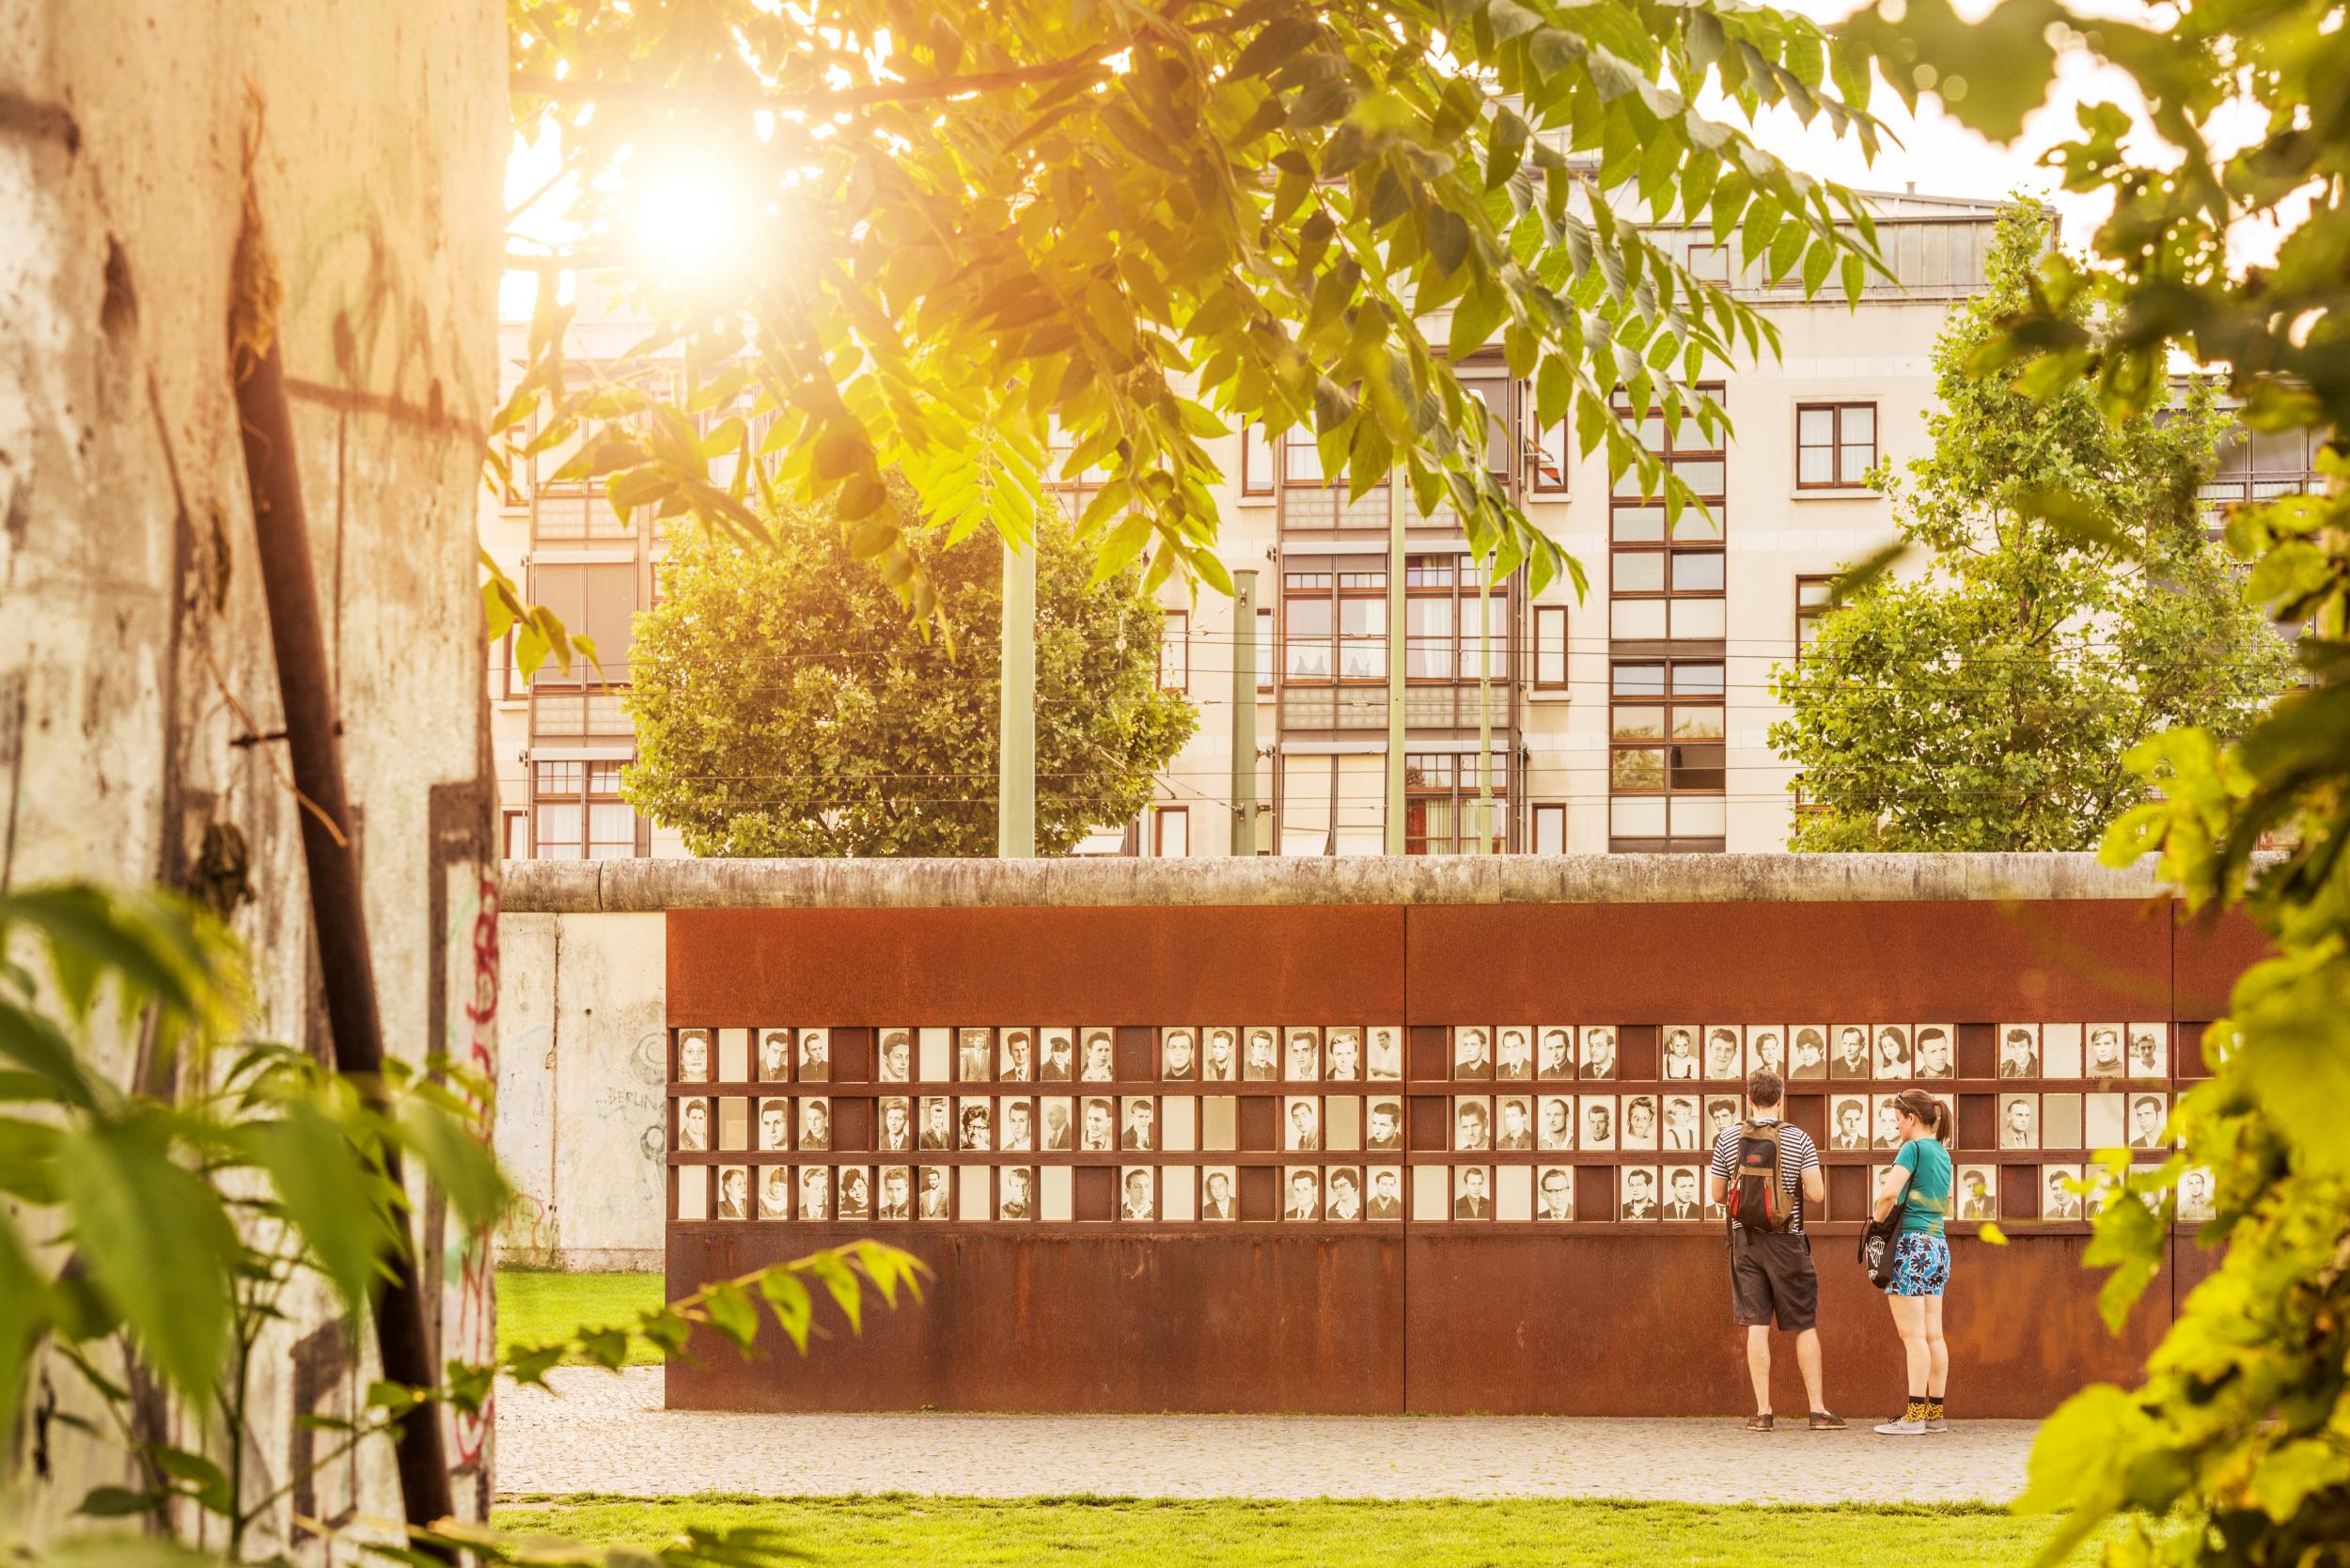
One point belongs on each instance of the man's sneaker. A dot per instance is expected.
(1903, 1427)
(1826, 1420)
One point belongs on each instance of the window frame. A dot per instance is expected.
(581, 802)
(1669, 698)
(1268, 649)
(1810, 615)
(1460, 792)
(1258, 446)
(1158, 831)
(1544, 616)
(1670, 549)
(1838, 478)
(1546, 809)
(1336, 595)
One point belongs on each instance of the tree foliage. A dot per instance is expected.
(1152, 223)
(785, 705)
(1988, 703)
(2235, 1449)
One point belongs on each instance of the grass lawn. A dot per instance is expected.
(535, 1306)
(895, 1530)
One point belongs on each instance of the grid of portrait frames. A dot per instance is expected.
(1359, 1123)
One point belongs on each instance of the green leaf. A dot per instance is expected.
(118, 1503)
(330, 1196)
(456, 1160)
(25, 1317)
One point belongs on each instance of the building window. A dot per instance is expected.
(596, 598)
(1550, 647)
(1549, 459)
(1335, 626)
(1813, 603)
(1309, 501)
(1175, 652)
(1170, 832)
(1440, 620)
(1059, 445)
(1442, 809)
(1836, 445)
(516, 835)
(1256, 461)
(1667, 580)
(1709, 263)
(1550, 829)
(1264, 651)
(1666, 757)
(578, 812)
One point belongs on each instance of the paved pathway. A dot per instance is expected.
(600, 1432)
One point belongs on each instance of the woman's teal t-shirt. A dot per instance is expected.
(1928, 1167)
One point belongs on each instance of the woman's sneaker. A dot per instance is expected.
(1910, 1424)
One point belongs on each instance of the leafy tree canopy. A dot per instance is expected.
(786, 706)
(1152, 222)
(1988, 703)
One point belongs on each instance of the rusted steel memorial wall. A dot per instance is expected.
(1403, 1136)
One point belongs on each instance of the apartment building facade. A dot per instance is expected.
(1631, 720)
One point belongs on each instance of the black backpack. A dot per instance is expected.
(1759, 1198)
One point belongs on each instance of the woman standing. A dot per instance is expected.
(1920, 1174)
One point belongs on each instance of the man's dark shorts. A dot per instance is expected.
(1771, 1275)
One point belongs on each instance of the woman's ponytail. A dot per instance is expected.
(1935, 1113)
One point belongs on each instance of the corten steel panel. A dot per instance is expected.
(1526, 963)
(1257, 1322)
(1283, 964)
(1619, 1325)
(2212, 952)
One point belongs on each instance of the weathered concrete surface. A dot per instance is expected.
(580, 1090)
(133, 648)
(584, 887)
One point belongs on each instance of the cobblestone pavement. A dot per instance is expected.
(601, 1432)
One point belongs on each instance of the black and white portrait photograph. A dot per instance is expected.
(896, 1192)
(1058, 1063)
(975, 1124)
(1472, 1123)
(938, 1124)
(1059, 1119)
(734, 1192)
(1099, 1130)
(1301, 1123)
(1554, 1192)
(774, 1055)
(856, 1197)
(1472, 1192)
(2019, 1121)
(1259, 1055)
(1848, 1121)
(693, 1124)
(2195, 1194)
(1344, 1049)
(1513, 1056)
(1301, 1193)
(1892, 1047)
(815, 1056)
(1685, 1195)
(1472, 1052)
(2058, 1198)
(775, 1192)
(1305, 1055)
(1514, 1121)
(1098, 1057)
(1383, 1124)
(775, 1124)
(816, 1123)
(1383, 1057)
(1554, 1121)
(1681, 1123)
(1554, 1051)
(1219, 1055)
(1138, 1123)
(2019, 1051)
(693, 1055)
(1721, 1114)
(1766, 1050)
(1015, 1193)
(1640, 1122)
(2104, 1119)
(1599, 1122)
(1599, 1051)
(2148, 1112)
(1638, 1186)
(975, 1055)
(1937, 1052)
(1850, 1057)
(1387, 1194)
(897, 1123)
(1138, 1196)
(1179, 1055)
(932, 1200)
(1017, 1051)
(1977, 1192)
(1725, 1058)
(1018, 1134)
(1677, 1054)
(1886, 1119)
(2150, 1053)
(1342, 1196)
(815, 1191)
(896, 1065)
(1218, 1200)
(2107, 1057)
(1807, 1060)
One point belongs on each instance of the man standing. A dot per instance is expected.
(1770, 1271)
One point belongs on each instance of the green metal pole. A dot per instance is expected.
(1485, 707)
(1397, 644)
(1016, 721)
(1244, 838)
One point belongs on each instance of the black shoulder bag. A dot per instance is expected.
(1878, 1241)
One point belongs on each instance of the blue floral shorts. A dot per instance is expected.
(1921, 1265)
